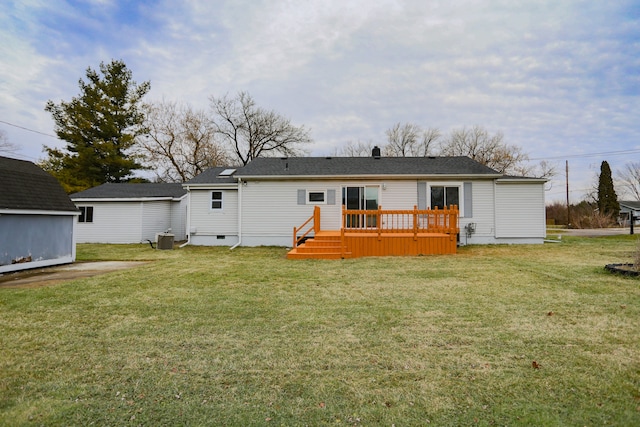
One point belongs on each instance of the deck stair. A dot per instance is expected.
(323, 245)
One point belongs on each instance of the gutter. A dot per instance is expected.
(239, 215)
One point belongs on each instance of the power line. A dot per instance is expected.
(27, 129)
(577, 156)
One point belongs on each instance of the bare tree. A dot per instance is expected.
(250, 131)
(6, 146)
(490, 150)
(629, 179)
(354, 149)
(544, 169)
(179, 143)
(410, 140)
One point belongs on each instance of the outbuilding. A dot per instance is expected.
(37, 218)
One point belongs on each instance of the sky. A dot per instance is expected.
(559, 78)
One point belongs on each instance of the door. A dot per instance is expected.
(360, 198)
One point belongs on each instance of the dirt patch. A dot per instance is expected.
(52, 275)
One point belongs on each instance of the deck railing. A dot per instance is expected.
(413, 221)
(311, 224)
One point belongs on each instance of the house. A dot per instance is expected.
(262, 202)
(130, 213)
(36, 218)
(629, 207)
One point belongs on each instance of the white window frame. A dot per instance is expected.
(324, 197)
(211, 200)
(459, 185)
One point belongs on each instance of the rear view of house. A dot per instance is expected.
(130, 213)
(263, 202)
(36, 218)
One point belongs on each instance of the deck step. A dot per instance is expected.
(319, 247)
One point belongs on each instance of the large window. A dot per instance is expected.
(216, 200)
(86, 214)
(445, 196)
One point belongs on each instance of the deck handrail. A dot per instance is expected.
(413, 221)
(314, 225)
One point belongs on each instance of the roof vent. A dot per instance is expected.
(375, 152)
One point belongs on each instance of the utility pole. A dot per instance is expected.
(568, 205)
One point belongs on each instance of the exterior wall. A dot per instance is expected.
(482, 214)
(211, 227)
(520, 212)
(179, 218)
(155, 217)
(507, 212)
(113, 222)
(44, 239)
(132, 221)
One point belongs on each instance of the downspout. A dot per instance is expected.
(239, 216)
(188, 242)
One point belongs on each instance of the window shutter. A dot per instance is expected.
(302, 197)
(331, 197)
(468, 200)
(422, 195)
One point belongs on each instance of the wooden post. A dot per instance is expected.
(415, 222)
(379, 222)
(316, 219)
(295, 238)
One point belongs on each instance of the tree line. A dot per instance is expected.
(110, 133)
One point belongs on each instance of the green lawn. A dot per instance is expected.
(208, 336)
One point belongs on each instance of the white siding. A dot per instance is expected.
(113, 222)
(270, 210)
(483, 215)
(206, 224)
(179, 218)
(520, 210)
(155, 218)
(398, 194)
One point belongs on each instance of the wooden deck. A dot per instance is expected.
(387, 233)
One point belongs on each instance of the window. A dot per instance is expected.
(216, 200)
(86, 214)
(316, 197)
(445, 196)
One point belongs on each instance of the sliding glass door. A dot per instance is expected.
(360, 198)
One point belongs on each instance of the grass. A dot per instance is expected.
(208, 336)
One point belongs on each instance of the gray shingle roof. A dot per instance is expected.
(131, 191)
(24, 186)
(212, 176)
(631, 204)
(363, 166)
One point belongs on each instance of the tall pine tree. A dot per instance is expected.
(100, 127)
(607, 197)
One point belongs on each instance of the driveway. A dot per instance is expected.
(62, 273)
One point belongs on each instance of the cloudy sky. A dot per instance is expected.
(560, 78)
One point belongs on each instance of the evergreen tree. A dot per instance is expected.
(607, 198)
(100, 127)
